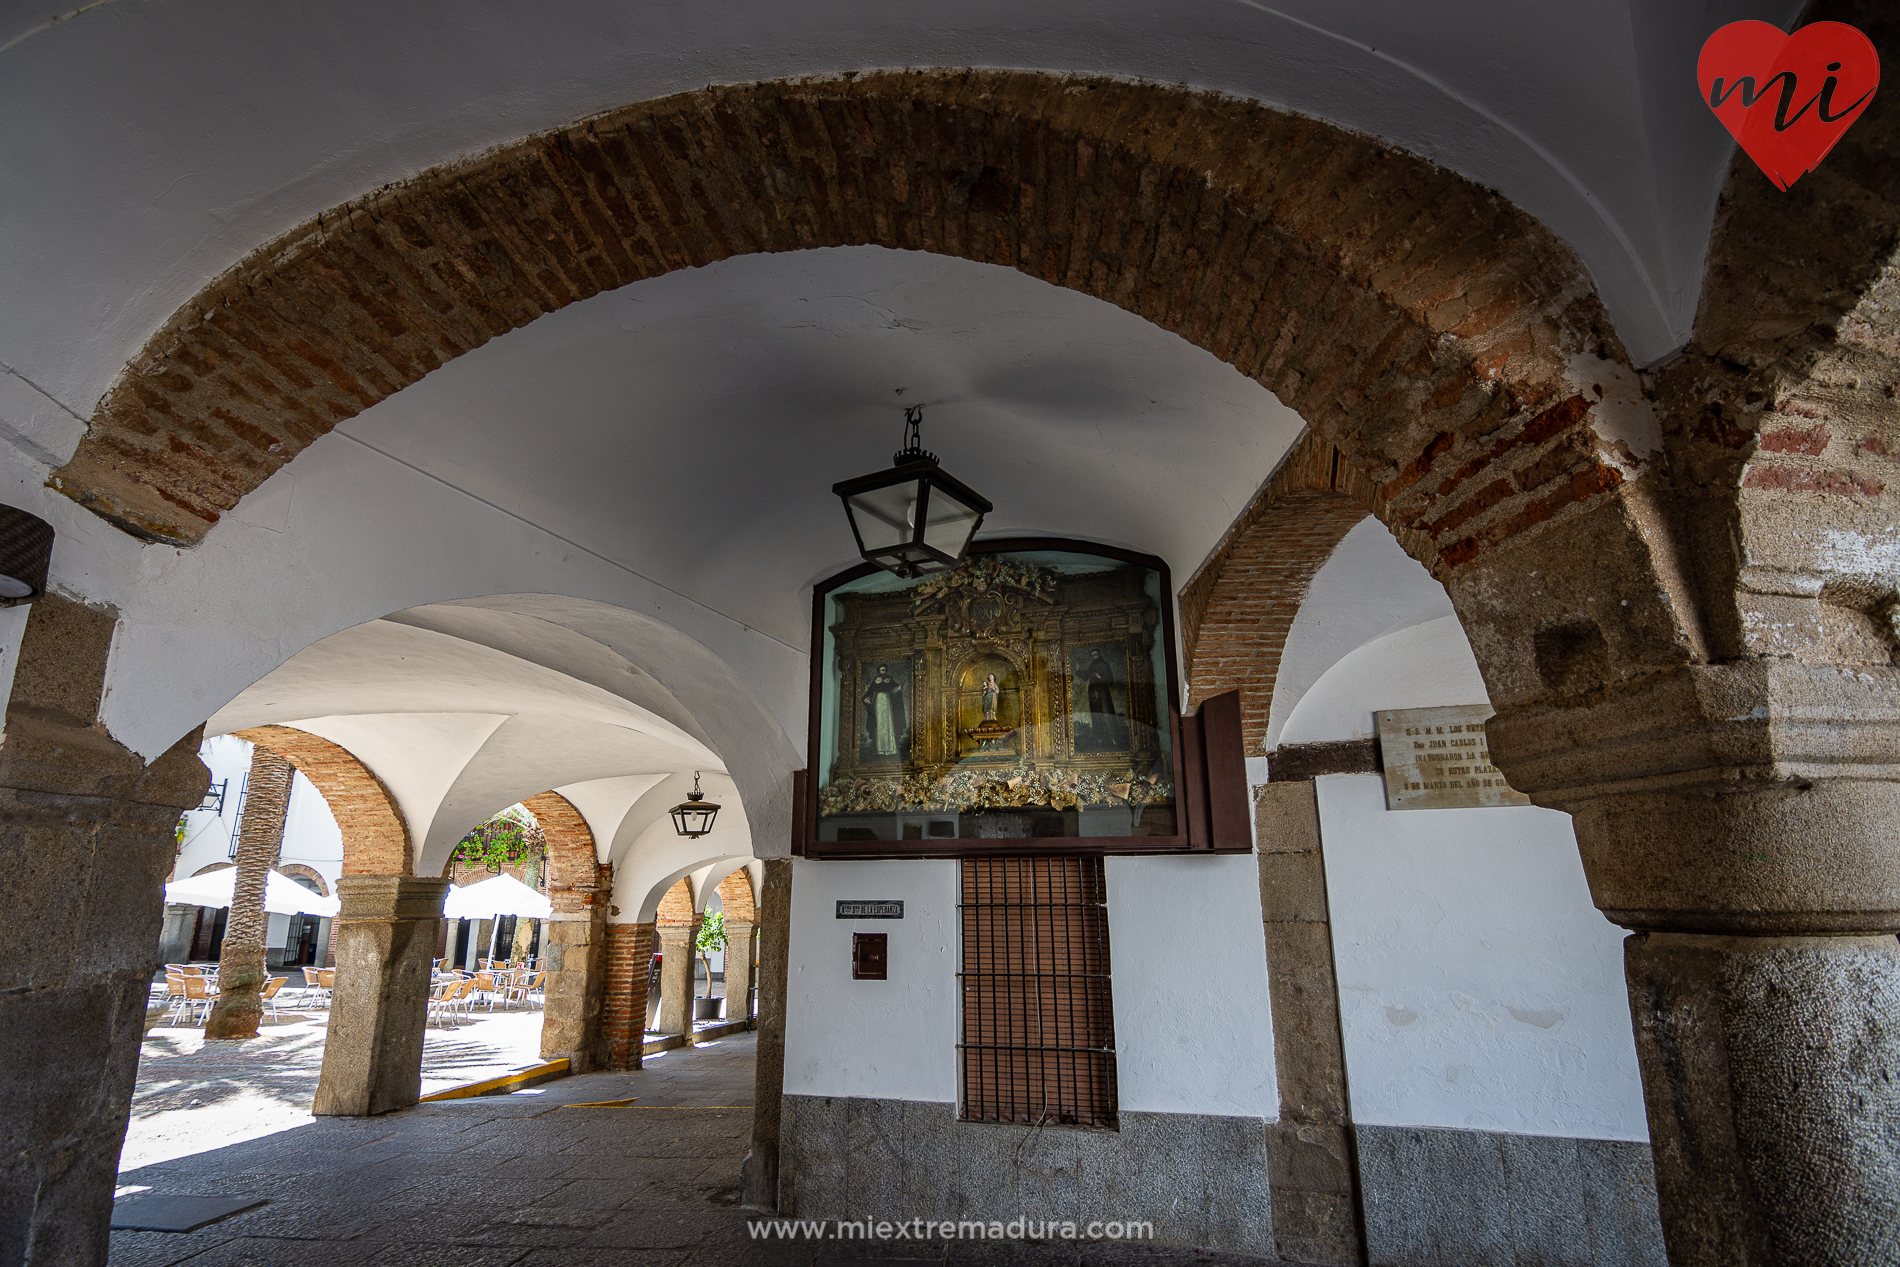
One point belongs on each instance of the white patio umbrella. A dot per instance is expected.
(282, 895)
(499, 895)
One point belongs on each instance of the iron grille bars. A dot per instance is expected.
(1038, 1027)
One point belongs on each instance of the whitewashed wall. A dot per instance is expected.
(1479, 987)
(311, 835)
(1188, 961)
(894, 1039)
(1193, 1023)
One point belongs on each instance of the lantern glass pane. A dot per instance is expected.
(885, 517)
(950, 523)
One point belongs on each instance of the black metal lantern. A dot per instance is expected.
(913, 518)
(26, 548)
(694, 816)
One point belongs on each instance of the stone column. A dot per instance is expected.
(1740, 819)
(678, 954)
(384, 939)
(738, 970)
(576, 985)
(1313, 1163)
(174, 941)
(759, 1174)
(86, 827)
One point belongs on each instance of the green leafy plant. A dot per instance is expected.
(712, 937)
(505, 840)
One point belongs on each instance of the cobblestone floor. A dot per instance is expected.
(523, 1180)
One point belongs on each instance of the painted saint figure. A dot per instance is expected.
(884, 717)
(990, 691)
(1108, 729)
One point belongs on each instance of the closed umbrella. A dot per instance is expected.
(282, 895)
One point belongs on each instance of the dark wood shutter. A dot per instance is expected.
(1038, 1028)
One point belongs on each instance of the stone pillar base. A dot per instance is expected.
(384, 939)
(678, 954)
(738, 971)
(1772, 1066)
(576, 955)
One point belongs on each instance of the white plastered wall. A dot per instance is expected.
(1479, 987)
(311, 834)
(1189, 985)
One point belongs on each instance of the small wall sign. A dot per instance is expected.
(1787, 98)
(1439, 758)
(862, 909)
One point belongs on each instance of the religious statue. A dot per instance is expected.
(1108, 727)
(886, 724)
(990, 691)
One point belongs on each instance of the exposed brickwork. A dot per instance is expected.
(298, 871)
(1238, 609)
(1414, 319)
(676, 906)
(375, 837)
(624, 1013)
(735, 897)
(576, 880)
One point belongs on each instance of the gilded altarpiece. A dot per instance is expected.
(1020, 695)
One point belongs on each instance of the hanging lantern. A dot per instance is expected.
(913, 518)
(26, 548)
(694, 816)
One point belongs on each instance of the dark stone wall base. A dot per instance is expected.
(1477, 1198)
(1201, 1180)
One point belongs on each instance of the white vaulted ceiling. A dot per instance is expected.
(462, 711)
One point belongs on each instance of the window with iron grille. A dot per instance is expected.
(1038, 1029)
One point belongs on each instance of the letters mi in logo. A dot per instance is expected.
(1788, 98)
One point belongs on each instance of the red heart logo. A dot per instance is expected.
(1788, 98)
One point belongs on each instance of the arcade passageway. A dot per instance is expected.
(1404, 771)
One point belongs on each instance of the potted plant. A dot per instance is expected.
(712, 937)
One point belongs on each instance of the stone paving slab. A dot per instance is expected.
(523, 1181)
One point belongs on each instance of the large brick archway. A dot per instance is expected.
(375, 836)
(1420, 323)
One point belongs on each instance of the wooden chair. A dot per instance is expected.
(197, 998)
(437, 1006)
(485, 982)
(269, 997)
(524, 986)
(463, 1000)
(326, 985)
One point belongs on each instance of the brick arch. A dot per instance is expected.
(676, 904)
(736, 899)
(577, 880)
(294, 870)
(1420, 323)
(1239, 607)
(375, 837)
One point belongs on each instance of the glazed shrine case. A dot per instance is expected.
(1024, 701)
